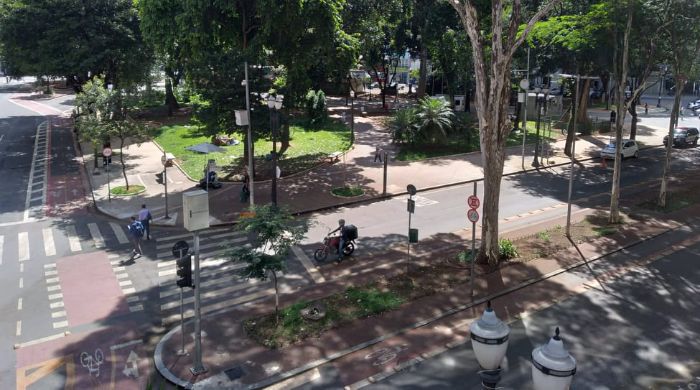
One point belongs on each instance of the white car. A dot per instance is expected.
(629, 149)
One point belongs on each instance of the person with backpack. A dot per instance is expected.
(136, 232)
(145, 218)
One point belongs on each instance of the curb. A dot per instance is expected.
(337, 355)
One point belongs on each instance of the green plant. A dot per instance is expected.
(403, 126)
(131, 190)
(544, 236)
(370, 300)
(347, 191)
(434, 118)
(506, 249)
(604, 230)
(465, 256)
(315, 103)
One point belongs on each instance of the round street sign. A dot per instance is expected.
(180, 249)
(472, 215)
(107, 152)
(524, 84)
(411, 189)
(473, 202)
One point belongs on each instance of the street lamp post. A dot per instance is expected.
(274, 104)
(664, 69)
(490, 341)
(553, 368)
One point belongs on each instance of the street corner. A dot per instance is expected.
(90, 363)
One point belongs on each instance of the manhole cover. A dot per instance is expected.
(235, 373)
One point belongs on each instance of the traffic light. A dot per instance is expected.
(184, 271)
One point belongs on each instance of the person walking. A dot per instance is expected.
(378, 153)
(682, 111)
(245, 189)
(136, 232)
(646, 108)
(145, 218)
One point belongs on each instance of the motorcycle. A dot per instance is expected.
(332, 242)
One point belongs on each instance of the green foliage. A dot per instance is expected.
(315, 103)
(544, 236)
(465, 256)
(370, 300)
(347, 191)
(506, 249)
(434, 119)
(403, 126)
(71, 38)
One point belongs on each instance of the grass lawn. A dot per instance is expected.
(459, 143)
(307, 145)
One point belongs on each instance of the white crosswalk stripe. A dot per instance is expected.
(96, 235)
(73, 239)
(23, 246)
(2, 243)
(119, 233)
(49, 245)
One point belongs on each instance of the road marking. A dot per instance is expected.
(23, 243)
(60, 324)
(58, 314)
(96, 235)
(120, 268)
(41, 340)
(19, 304)
(221, 247)
(21, 267)
(212, 271)
(209, 294)
(220, 233)
(220, 305)
(53, 288)
(52, 280)
(56, 305)
(132, 299)
(121, 237)
(310, 268)
(73, 239)
(122, 276)
(2, 242)
(125, 283)
(50, 273)
(49, 245)
(18, 331)
(136, 308)
(50, 265)
(56, 296)
(128, 291)
(21, 282)
(30, 182)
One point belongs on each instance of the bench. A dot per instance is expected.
(332, 158)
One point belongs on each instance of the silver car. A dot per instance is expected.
(629, 149)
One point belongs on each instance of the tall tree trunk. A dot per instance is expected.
(582, 110)
(170, 99)
(423, 71)
(663, 191)
(620, 120)
(277, 298)
(121, 160)
(632, 109)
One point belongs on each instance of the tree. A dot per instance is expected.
(103, 116)
(683, 35)
(274, 231)
(492, 76)
(434, 117)
(74, 39)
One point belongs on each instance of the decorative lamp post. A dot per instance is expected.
(274, 103)
(538, 104)
(490, 341)
(553, 368)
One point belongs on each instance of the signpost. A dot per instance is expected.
(473, 216)
(412, 233)
(106, 154)
(180, 250)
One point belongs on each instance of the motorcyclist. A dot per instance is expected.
(343, 238)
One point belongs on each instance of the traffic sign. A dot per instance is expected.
(473, 215)
(473, 202)
(107, 152)
(180, 249)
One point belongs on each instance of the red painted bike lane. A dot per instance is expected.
(110, 356)
(65, 177)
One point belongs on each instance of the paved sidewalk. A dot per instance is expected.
(310, 190)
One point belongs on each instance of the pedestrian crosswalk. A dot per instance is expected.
(221, 286)
(59, 240)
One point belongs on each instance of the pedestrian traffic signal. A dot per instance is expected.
(184, 271)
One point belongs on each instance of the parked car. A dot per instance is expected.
(684, 136)
(629, 149)
(694, 105)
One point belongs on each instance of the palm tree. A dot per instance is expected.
(403, 126)
(434, 119)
